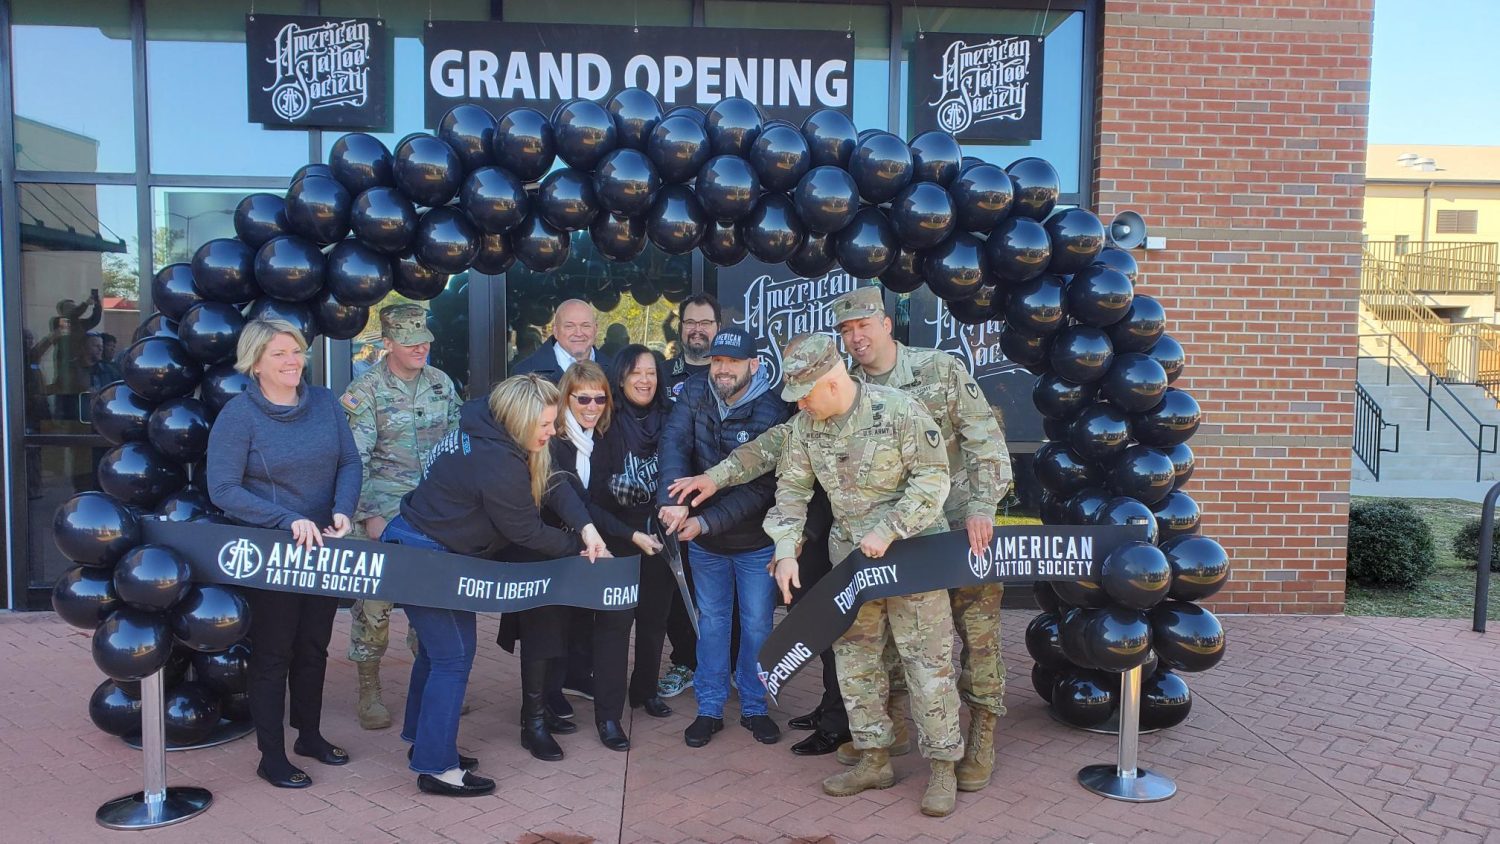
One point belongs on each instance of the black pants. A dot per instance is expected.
(607, 635)
(657, 588)
(289, 635)
(680, 625)
(543, 632)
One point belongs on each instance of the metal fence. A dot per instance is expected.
(1369, 431)
(1439, 267)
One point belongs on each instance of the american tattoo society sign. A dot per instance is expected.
(1006, 384)
(313, 71)
(978, 87)
(773, 305)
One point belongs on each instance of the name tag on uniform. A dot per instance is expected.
(880, 431)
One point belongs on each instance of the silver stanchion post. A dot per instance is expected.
(1125, 780)
(157, 805)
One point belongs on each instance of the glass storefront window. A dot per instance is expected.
(195, 78)
(183, 219)
(54, 473)
(71, 79)
(1062, 69)
(611, 12)
(448, 319)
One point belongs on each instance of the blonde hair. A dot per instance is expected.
(517, 404)
(583, 374)
(256, 336)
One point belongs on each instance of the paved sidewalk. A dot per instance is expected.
(1318, 729)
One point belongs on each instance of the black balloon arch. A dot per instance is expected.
(482, 193)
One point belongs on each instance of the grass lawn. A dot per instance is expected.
(1449, 592)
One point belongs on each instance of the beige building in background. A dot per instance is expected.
(1432, 193)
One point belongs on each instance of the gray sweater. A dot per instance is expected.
(270, 465)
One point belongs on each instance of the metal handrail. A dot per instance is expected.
(1369, 430)
(1486, 550)
(1428, 390)
(1440, 267)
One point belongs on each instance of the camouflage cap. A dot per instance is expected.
(858, 303)
(807, 358)
(405, 324)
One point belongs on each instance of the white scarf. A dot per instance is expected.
(584, 442)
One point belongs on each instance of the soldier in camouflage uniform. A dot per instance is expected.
(881, 458)
(398, 410)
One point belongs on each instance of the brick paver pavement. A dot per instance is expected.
(1314, 729)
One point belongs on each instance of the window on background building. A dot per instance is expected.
(195, 79)
(1403, 244)
(1062, 74)
(1457, 222)
(74, 100)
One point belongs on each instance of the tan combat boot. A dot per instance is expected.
(873, 771)
(978, 764)
(942, 791)
(372, 712)
(899, 705)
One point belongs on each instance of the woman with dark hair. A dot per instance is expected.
(623, 485)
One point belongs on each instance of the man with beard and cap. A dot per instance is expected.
(727, 548)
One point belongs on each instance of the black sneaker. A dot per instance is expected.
(762, 727)
(701, 730)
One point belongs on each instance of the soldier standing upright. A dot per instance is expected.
(398, 410)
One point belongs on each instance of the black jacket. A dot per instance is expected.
(543, 362)
(475, 496)
(696, 438)
(679, 371)
(618, 455)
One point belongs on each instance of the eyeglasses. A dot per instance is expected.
(699, 323)
(588, 400)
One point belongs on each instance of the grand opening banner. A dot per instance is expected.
(501, 66)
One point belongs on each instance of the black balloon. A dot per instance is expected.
(320, 170)
(679, 148)
(84, 596)
(1045, 597)
(1099, 296)
(1100, 433)
(1169, 353)
(905, 273)
(415, 280)
(1118, 638)
(494, 199)
(290, 268)
(677, 221)
(1085, 506)
(1042, 641)
(923, 215)
(1136, 575)
(727, 188)
(470, 130)
(772, 231)
(1053, 510)
(174, 672)
(539, 246)
(494, 255)
(645, 291)
(1062, 472)
(1019, 250)
(1077, 236)
(1127, 512)
(299, 314)
(566, 201)
(358, 275)
(1043, 681)
(221, 383)
(119, 414)
(1134, 382)
(360, 162)
(780, 156)
(1182, 463)
(733, 124)
(156, 325)
(625, 182)
(384, 220)
(235, 707)
(982, 197)
(881, 167)
(318, 207)
(210, 618)
(1072, 627)
(1083, 699)
(1118, 259)
(113, 711)
(826, 199)
(210, 330)
(1177, 514)
(692, 113)
(584, 132)
(338, 321)
(258, 218)
(1081, 353)
(955, 269)
(1141, 327)
(93, 529)
(722, 245)
(224, 271)
(172, 290)
(446, 240)
(867, 246)
(1165, 701)
(975, 311)
(1080, 593)
(1169, 423)
(1037, 306)
(1200, 567)
(1186, 636)
(131, 644)
(814, 258)
(152, 578)
(160, 368)
(427, 170)
(636, 113)
(831, 137)
(189, 713)
(618, 238)
(1028, 350)
(226, 672)
(1037, 187)
(524, 144)
(936, 157)
(186, 504)
(179, 429)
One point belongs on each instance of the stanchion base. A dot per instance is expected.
(132, 811)
(1110, 727)
(1144, 787)
(225, 732)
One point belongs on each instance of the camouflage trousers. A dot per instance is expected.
(370, 631)
(976, 617)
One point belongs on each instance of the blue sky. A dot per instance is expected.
(1432, 76)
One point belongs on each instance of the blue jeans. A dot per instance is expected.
(440, 675)
(718, 577)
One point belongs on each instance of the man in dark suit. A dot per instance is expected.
(575, 327)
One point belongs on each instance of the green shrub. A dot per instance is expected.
(1466, 543)
(1390, 544)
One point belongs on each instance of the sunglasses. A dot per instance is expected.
(588, 400)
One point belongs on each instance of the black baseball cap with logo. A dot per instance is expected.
(732, 343)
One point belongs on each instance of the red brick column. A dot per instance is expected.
(1237, 129)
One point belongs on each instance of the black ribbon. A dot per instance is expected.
(925, 564)
(402, 574)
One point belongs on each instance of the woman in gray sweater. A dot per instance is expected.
(280, 455)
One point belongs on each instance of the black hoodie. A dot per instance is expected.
(475, 496)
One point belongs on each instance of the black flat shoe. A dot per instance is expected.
(613, 736)
(474, 786)
(297, 779)
(808, 721)
(655, 707)
(762, 727)
(468, 763)
(328, 754)
(557, 725)
(702, 730)
(820, 743)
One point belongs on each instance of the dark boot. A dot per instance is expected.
(535, 736)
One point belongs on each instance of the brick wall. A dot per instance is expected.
(1237, 129)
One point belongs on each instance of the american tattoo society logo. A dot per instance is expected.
(976, 346)
(780, 309)
(980, 564)
(240, 558)
(983, 81)
(320, 66)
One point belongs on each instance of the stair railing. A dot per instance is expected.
(1369, 430)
